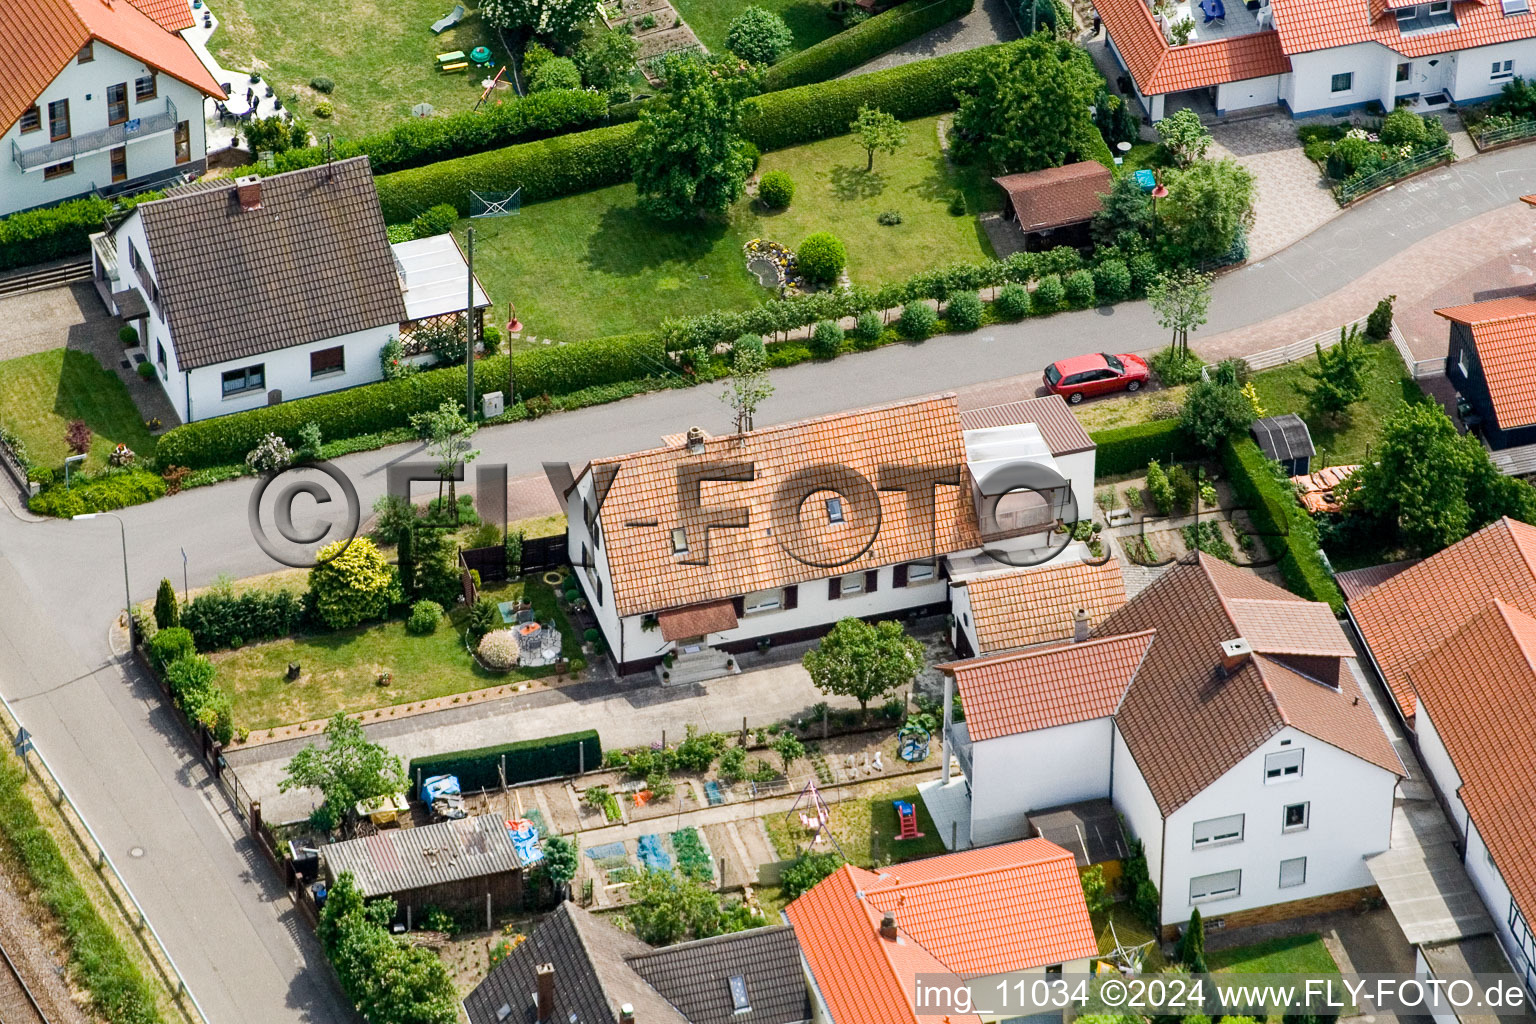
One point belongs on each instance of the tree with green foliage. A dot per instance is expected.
(560, 73)
(1096, 891)
(863, 661)
(877, 131)
(668, 908)
(748, 386)
(1339, 379)
(349, 769)
(605, 57)
(1378, 325)
(1208, 206)
(559, 863)
(1191, 951)
(759, 35)
(789, 748)
(405, 560)
(1182, 301)
(558, 20)
(1026, 107)
(1144, 901)
(1214, 411)
(167, 611)
(390, 982)
(806, 871)
(687, 155)
(447, 432)
(821, 257)
(1125, 218)
(1184, 137)
(351, 583)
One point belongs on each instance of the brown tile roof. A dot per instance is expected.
(1160, 68)
(1057, 196)
(1063, 434)
(312, 262)
(1305, 25)
(1477, 688)
(739, 479)
(697, 619)
(1356, 583)
(39, 38)
(1007, 694)
(1504, 334)
(1003, 908)
(1418, 608)
(1186, 724)
(1035, 606)
(171, 15)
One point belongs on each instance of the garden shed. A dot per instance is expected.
(1057, 202)
(468, 864)
(1286, 440)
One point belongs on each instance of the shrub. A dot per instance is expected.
(499, 649)
(867, 330)
(325, 109)
(77, 437)
(752, 343)
(36, 236)
(128, 335)
(1379, 324)
(1159, 488)
(847, 50)
(352, 584)
(559, 73)
(171, 643)
(218, 619)
(776, 189)
(807, 870)
(1175, 367)
(889, 218)
(963, 312)
(1112, 281)
(191, 682)
(270, 456)
(322, 84)
(113, 489)
(821, 257)
(1214, 411)
(759, 35)
(146, 370)
(1050, 293)
(167, 611)
(1079, 289)
(1012, 302)
(436, 220)
(1278, 517)
(749, 150)
(826, 340)
(1184, 488)
(425, 615)
(917, 321)
(1402, 127)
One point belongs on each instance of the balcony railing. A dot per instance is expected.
(86, 143)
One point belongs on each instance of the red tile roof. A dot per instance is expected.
(1025, 607)
(697, 619)
(1469, 687)
(1419, 608)
(1008, 694)
(1159, 68)
(1356, 583)
(171, 15)
(1003, 908)
(1305, 25)
(1504, 334)
(38, 38)
(1054, 197)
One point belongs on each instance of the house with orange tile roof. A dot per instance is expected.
(1227, 721)
(865, 936)
(98, 96)
(707, 546)
(1491, 362)
(1314, 57)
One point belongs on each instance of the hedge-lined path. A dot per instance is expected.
(989, 22)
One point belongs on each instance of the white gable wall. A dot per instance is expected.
(1013, 775)
(1133, 799)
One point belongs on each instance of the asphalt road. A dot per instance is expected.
(213, 902)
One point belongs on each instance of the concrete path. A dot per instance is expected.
(1291, 199)
(989, 22)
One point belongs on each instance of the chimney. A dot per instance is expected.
(1234, 654)
(248, 188)
(626, 1014)
(544, 996)
(695, 441)
(888, 927)
(1080, 626)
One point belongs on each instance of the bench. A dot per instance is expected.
(450, 68)
(450, 56)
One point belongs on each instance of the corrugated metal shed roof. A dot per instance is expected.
(1284, 437)
(401, 859)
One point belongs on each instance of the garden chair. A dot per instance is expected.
(448, 20)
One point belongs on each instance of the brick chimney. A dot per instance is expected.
(1234, 655)
(888, 927)
(695, 441)
(626, 1014)
(1080, 625)
(248, 189)
(544, 995)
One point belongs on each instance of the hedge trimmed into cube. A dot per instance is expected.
(1287, 529)
(526, 761)
(1129, 449)
(864, 42)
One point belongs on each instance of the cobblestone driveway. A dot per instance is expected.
(1292, 199)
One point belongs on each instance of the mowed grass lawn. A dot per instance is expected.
(865, 828)
(1341, 440)
(1293, 954)
(40, 394)
(592, 265)
(381, 55)
(339, 671)
(811, 21)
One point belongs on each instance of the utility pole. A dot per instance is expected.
(469, 329)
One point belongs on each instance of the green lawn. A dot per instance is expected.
(340, 671)
(380, 55)
(40, 394)
(865, 828)
(1343, 440)
(592, 265)
(809, 20)
(1295, 954)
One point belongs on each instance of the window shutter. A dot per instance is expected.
(834, 588)
(791, 597)
(740, 604)
(899, 576)
(871, 581)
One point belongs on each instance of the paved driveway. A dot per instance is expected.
(1292, 201)
(989, 22)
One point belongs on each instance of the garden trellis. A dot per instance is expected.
(496, 204)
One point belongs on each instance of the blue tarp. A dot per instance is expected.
(439, 785)
(649, 850)
(526, 842)
(1146, 179)
(605, 851)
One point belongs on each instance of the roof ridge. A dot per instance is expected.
(992, 869)
(1515, 536)
(1005, 657)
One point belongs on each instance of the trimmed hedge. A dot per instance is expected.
(1129, 449)
(37, 236)
(113, 489)
(866, 41)
(1277, 515)
(526, 761)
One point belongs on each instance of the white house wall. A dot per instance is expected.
(1474, 77)
(287, 370)
(1437, 762)
(600, 593)
(1350, 819)
(1133, 799)
(150, 158)
(1311, 79)
(154, 334)
(1013, 775)
(1078, 468)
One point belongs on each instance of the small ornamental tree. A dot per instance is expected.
(559, 863)
(447, 432)
(789, 748)
(1213, 411)
(78, 437)
(605, 57)
(748, 386)
(863, 661)
(759, 35)
(1182, 301)
(688, 161)
(1184, 137)
(559, 73)
(347, 771)
(1191, 950)
(1378, 326)
(878, 131)
(167, 611)
(821, 257)
(351, 584)
(1339, 379)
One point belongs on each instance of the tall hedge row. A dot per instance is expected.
(1288, 531)
(1129, 449)
(864, 42)
(526, 760)
(37, 236)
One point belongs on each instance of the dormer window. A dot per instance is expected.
(680, 541)
(1516, 6)
(834, 510)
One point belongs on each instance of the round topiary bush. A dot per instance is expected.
(147, 370)
(759, 35)
(821, 257)
(917, 321)
(776, 189)
(555, 73)
(1049, 294)
(590, 634)
(498, 649)
(1112, 281)
(1012, 302)
(1079, 289)
(128, 335)
(748, 343)
(826, 340)
(322, 84)
(867, 330)
(324, 109)
(963, 311)
(425, 615)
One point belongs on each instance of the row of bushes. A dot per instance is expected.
(1128, 449)
(190, 678)
(37, 236)
(219, 619)
(1276, 514)
(524, 761)
(863, 42)
(113, 488)
(99, 962)
(390, 981)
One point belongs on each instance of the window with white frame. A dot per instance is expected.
(763, 601)
(1293, 872)
(245, 379)
(1283, 766)
(1502, 69)
(1219, 831)
(1344, 82)
(918, 572)
(1462, 361)
(1516, 6)
(1296, 817)
(1222, 885)
(853, 583)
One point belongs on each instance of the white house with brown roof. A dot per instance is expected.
(707, 545)
(1226, 720)
(97, 97)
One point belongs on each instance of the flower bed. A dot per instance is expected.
(1369, 156)
(779, 259)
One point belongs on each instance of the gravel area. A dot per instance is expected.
(36, 948)
(989, 22)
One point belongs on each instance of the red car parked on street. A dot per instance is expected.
(1083, 376)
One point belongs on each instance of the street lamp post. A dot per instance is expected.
(127, 591)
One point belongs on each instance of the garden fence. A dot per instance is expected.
(15, 470)
(1499, 136)
(122, 896)
(1350, 191)
(541, 554)
(1283, 354)
(1418, 369)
